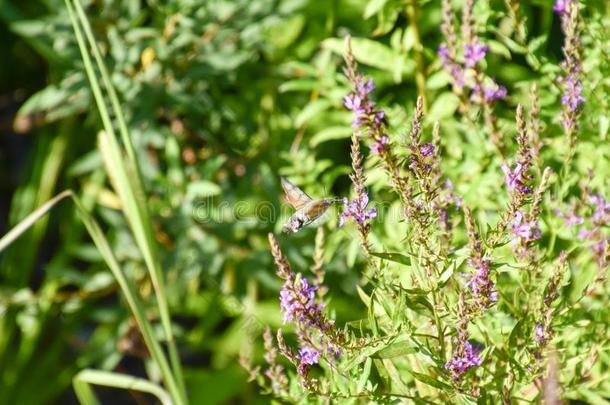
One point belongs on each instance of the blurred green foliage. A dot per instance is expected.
(221, 97)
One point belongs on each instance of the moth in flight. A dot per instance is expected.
(307, 209)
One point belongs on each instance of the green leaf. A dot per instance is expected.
(124, 172)
(372, 317)
(604, 125)
(83, 380)
(499, 48)
(394, 257)
(330, 133)
(364, 376)
(537, 43)
(397, 349)
(511, 44)
(426, 379)
(310, 111)
(396, 381)
(363, 296)
(438, 80)
(202, 189)
(592, 397)
(517, 333)
(298, 85)
(373, 53)
(28, 221)
(373, 6)
(444, 106)
(283, 33)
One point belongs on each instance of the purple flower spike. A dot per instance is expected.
(297, 300)
(573, 96)
(308, 355)
(479, 283)
(465, 357)
(378, 146)
(449, 64)
(474, 52)
(357, 210)
(364, 112)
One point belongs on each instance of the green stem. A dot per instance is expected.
(420, 73)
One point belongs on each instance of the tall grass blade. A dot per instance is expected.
(127, 289)
(83, 380)
(30, 220)
(125, 174)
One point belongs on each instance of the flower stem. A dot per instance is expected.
(420, 73)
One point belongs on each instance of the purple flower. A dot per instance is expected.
(600, 252)
(561, 6)
(426, 150)
(308, 355)
(378, 118)
(352, 102)
(483, 289)
(297, 300)
(378, 146)
(464, 358)
(474, 52)
(540, 334)
(443, 52)
(495, 93)
(357, 210)
(453, 68)
(524, 229)
(364, 112)
(516, 179)
(364, 89)
(572, 97)
(570, 217)
(488, 94)
(601, 213)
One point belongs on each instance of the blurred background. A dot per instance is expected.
(222, 97)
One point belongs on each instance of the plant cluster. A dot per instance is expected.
(465, 263)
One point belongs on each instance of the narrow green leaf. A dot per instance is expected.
(126, 176)
(363, 296)
(28, 221)
(310, 111)
(85, 378)
(329, 134)
(373, 7)
(397, 349)
(444, 106)
(364, 376)
(426, 379)
(394, 257)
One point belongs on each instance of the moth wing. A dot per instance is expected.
(317, 208)
(294, 195)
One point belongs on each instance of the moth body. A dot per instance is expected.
(307, 209)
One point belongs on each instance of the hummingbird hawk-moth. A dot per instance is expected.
(307, 209)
